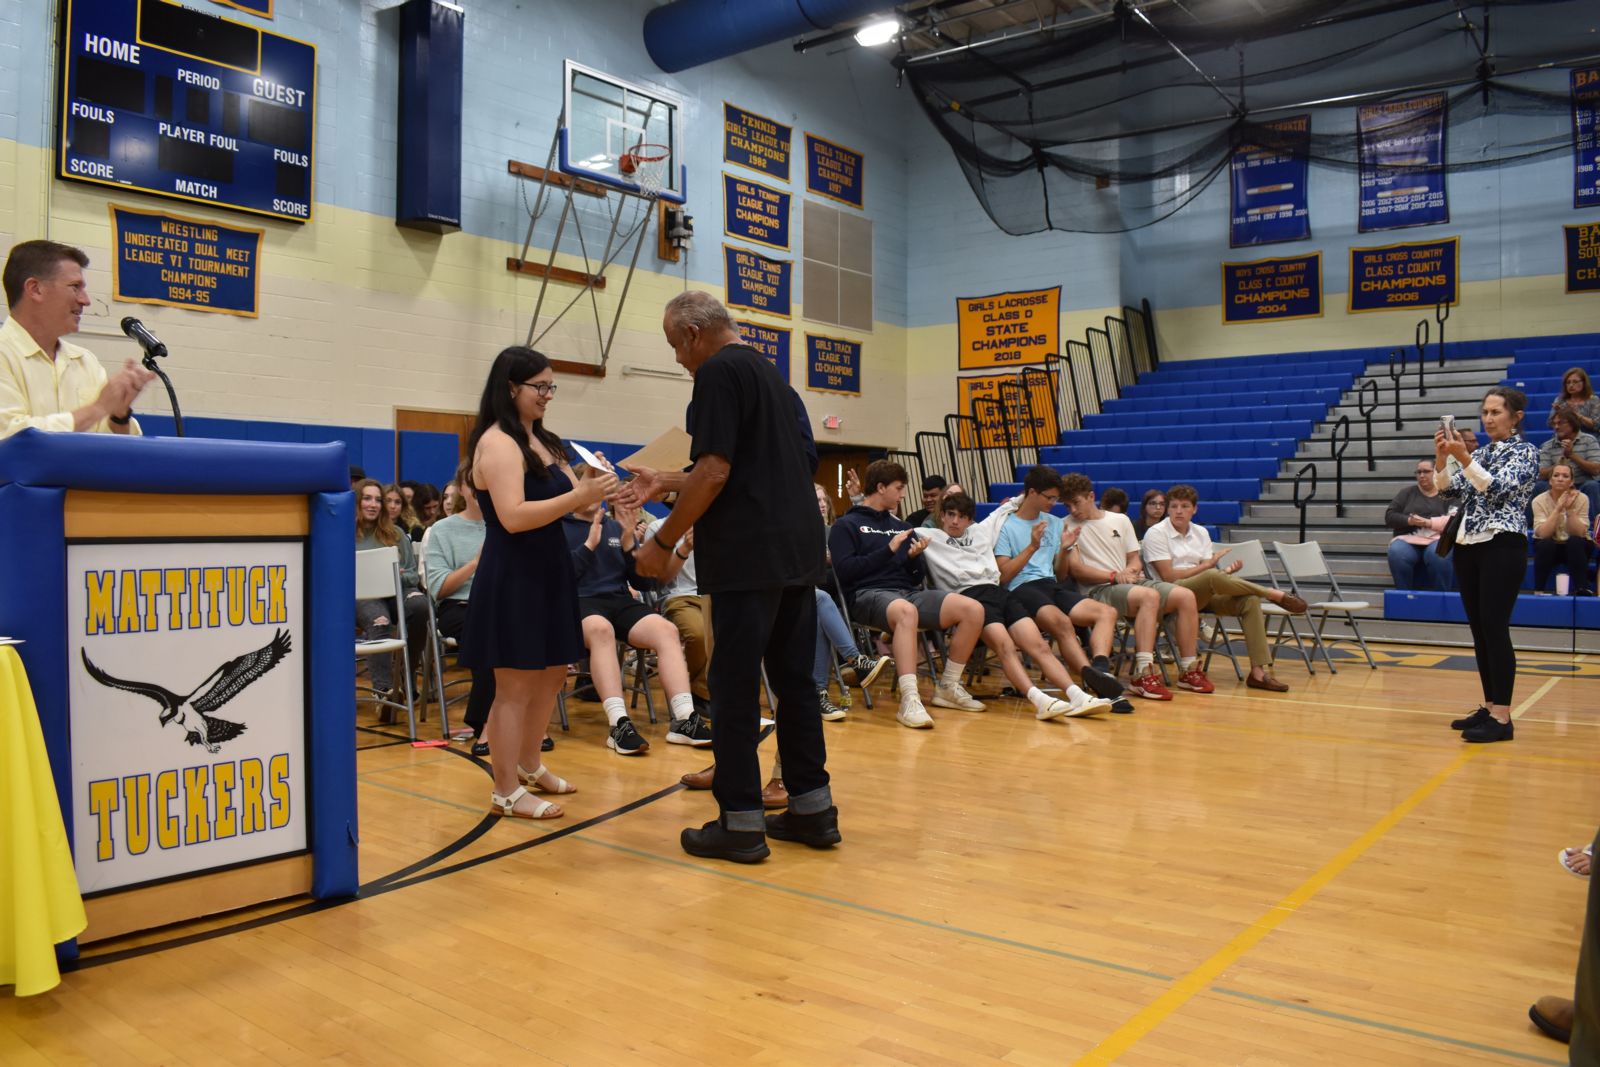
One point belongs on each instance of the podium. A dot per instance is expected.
(187, 612)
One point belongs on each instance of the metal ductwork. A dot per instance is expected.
(688, 33)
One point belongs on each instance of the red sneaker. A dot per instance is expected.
(1149, 686)
(1195, 679)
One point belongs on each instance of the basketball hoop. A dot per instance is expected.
(646, 165)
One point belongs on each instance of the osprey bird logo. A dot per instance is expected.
(192, 713)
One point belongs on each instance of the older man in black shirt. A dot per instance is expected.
(758, 548)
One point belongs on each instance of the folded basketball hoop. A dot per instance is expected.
(646, 166)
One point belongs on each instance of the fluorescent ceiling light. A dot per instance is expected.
(878, 31)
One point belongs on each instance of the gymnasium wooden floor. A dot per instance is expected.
(1323, 877)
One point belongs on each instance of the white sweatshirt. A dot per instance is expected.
(961, 563)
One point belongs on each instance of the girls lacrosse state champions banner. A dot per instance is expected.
(1402, 163)
(1586, 137)
(1270, 290)
(1008, 329)
(1267, 186)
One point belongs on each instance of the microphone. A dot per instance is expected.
(147, 340)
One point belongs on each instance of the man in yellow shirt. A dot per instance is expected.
(46, 382)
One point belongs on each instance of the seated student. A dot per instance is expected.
(376, 617)
(876, 559)
(425, 502)
(834, 633)
(933, 487)
(1152, 509)
(451, 502)
(1030, 552)
(398, 505)
(1561, 532)
(960, 557)
(1416, 516)
(1108, 567)
(451, 560)
(686, 609)
(602, 554)
(934, 520)
(1178, 549)
(1114, 499)
(1580, 451)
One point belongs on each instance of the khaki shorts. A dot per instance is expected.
(1117, 595)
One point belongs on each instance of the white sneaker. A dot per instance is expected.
(953, 696)
(1053, 710)
(1088, 704)
(913, 715)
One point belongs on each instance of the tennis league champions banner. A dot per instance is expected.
(834, 171)
(1268, 185)
(1586, 137)
(755, 141)
(755, 213)
(1008, 329)
(833, 365)
(770, 341)
(755, 282)
(1271, 290)
(1583, 258)
(175, 261)
(1405, 275)
(1402, 163)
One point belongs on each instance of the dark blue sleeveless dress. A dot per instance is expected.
(523, 610)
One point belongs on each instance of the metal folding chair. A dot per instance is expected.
(1304, 563)
(378, 578)
(1257, 569)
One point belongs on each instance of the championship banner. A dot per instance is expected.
(833, 171)
(755, 282)
(1267, 186)
(176, 770)
(254, 7)
(1405, 275)
(1272, 290)
(1583, 258)
(182, 262)
(1586, 137)
(1402, 163)
(755, 213)
(833, 365)
(1039, 412)
(755, 141)
(770, 341)
(1008, 329)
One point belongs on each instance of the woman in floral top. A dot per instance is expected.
(1493, 484)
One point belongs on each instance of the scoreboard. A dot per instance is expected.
(163, 99)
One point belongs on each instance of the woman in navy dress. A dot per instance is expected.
(522, 617)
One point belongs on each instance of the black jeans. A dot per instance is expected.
(1489, 575)
(1586, 994)
(452, 616)
(778, 628)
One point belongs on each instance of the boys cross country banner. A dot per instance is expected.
(1008, 329)
(1405, 275)
(833, 365)
(1268, 185)
(181, 262)
(1402, 163)
(755, 213)
(1269, 290)
(755, 141)
(833, 171)
(187, 689)
(1583, 258)
(770, 341)
(1586, 137)
(755, 282)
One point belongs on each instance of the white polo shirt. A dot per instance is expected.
(1183, 550)
(39, 392)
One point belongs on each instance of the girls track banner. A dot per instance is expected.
(1402, 163)
(1008, 330)
(1583, 258)
(833, 365)
(1272, 290)
(1267, 186)
(1586, 137)
(834, 171)
(1397, 277)
(770, 341)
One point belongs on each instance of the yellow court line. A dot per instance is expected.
(1185, 988)
(1531, 701)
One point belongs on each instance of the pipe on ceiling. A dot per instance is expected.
(688, 33)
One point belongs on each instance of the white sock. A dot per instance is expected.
(681, 706)
(1039, 698)
(1142, 662)
(908, 686)
(1076, 696)
(952, 673)
(615, 709)
(1187, 664)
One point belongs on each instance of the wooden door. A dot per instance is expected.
(831, 471)
(459, 423)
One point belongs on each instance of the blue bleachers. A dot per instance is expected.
(1262, 390)
(1562, 612)
(1194, 400)
(1108, 432)
(1114, 416)
(1239, 448)
(1179, 470)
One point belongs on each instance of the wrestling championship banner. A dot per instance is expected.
(1272, 290)
(182, 262)
(1402, 163)
(1267, 186)
(175, 770)
(1008, 329)
(1405, 275)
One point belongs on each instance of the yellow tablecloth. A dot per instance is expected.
(39, 901)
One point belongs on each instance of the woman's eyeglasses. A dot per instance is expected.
(542, 388)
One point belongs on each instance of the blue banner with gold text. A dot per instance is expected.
(1402, 163)
(833, 365)
(1271, 290)
(833, 171)
(183, 262)
(756, 282)
(1586, 137)
(1583, 258)
(1405, 275)
(1267, 185)
(770, 341)
(754, 212)
(755, 141)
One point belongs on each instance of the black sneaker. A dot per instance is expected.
(713, 842)
(1491, 729)
(1122, 706)
(1475, 719)
(547, 744)
(691, 730)
(819, 830)
(1101, 683)
(480, 749)
(702, 707)
(831, 712)
(625, 740)
(867, 669)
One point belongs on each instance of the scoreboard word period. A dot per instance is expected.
(167, 100)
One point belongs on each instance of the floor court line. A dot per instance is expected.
(1538, 694)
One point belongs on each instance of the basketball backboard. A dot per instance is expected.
(612, 129)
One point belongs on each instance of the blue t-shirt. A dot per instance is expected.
(1014, 538)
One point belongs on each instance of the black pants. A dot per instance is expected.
(1489, 575)
(1548, 553)
(1586, 995)
(778, 628)
(452, 616)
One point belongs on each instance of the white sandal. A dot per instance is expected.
(527, 777)
(507, 806)
(1567, 853)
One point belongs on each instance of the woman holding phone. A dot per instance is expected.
(1493, 483)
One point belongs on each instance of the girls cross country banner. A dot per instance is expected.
(1402, 163)
(1267, 185)
(1009, 330)
(1402, 276)
(1586, 137)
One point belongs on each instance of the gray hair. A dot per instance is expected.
(698, 309)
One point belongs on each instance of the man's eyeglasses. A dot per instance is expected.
(542, 388)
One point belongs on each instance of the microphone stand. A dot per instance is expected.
(152, 366)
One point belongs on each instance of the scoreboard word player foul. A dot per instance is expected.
(167, 100)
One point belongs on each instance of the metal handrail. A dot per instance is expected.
(910, 461)
(1366, 413)
(1421, 338)
(1395, 375)
(992, 425)
(969, 466)
(1099, 352)
(1441, 311)
(1336, 449)
(1300, 503)
(928, 444)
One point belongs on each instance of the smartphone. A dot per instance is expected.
(1447, 424)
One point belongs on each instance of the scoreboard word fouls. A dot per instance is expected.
(181, 103)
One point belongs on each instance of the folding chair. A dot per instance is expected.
(1256, 569)
(930, 640)
(1304, 562)
(378, 578)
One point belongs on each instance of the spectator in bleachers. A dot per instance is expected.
(1178, 549)
(933, 487)
(1577, 396)
(451, 561)
(1108, 566)
(376, 617)
(1152, 509)
(1561, 532)
(425, 502)
(398, 505)
(451, 499)
(1415, 516)
(1581, 450)
(876, 559)
(935, 517)
(1114, 499)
